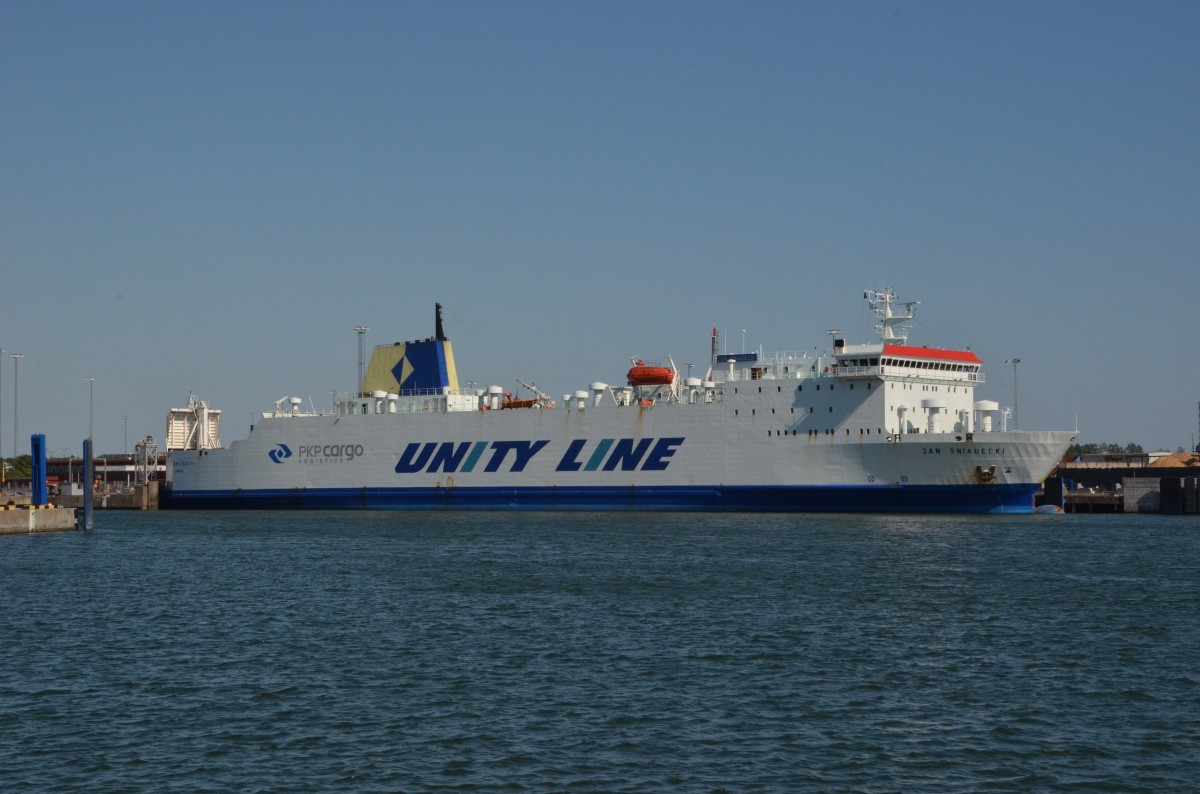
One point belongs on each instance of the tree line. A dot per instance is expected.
(1098, 449)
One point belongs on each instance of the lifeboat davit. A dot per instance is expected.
(643, 374)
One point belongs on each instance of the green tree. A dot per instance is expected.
(19, 467)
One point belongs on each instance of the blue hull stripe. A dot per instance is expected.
(784, 499)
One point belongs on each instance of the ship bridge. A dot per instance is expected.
(906, 361)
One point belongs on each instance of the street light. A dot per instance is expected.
(91, 384)
(126, 462)
(3, 463)
(65, 452)
(16, 357)
(361, 330)
(1014, 362)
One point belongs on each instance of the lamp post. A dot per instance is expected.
(16, 357)
(91, 390)
(65, 452)
(126, 464)
(1014, 362)
(91, 444)
(3, 462)
(361, 330)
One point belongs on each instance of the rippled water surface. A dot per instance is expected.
(601, 653)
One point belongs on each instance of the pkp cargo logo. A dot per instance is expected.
(280, 453)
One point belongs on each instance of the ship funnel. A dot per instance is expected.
(418, 367)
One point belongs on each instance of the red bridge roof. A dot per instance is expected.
(931, 353)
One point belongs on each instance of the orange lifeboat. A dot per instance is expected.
(514, 402)
(643, 374)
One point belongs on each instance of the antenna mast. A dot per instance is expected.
(362, 330)
(892, 329)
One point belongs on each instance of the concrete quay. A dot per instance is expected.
(143, 497)
(1166, 495)
(25, 519)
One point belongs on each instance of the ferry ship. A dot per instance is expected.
(882, 427)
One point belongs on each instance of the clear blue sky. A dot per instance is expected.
(208, 197)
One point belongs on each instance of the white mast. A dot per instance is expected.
(892, 329)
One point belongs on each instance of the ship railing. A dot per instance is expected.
(922, 374)
(855, 372)
(340, 395)
(785, 365)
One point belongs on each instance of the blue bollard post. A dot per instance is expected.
(37, 446)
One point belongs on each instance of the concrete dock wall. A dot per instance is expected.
(23, 519)
(144, 497)
(1140, 495)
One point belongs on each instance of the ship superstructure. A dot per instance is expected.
(887, 426)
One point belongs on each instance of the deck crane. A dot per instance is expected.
(543, 399)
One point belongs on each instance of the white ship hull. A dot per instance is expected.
(885, 427)
(679, 457)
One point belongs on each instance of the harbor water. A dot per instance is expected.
(541, 652)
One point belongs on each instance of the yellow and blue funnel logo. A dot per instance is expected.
(412, 367)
